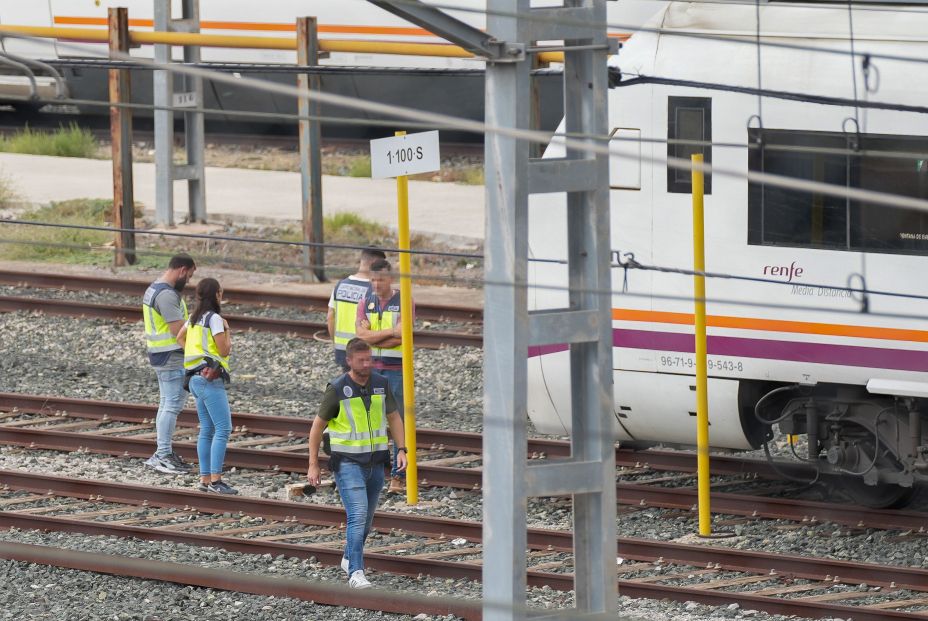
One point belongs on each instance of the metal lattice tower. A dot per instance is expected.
(165, 99)
(513, 27)
(509, 329)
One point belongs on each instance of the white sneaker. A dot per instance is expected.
(345, 565)
(358, 581)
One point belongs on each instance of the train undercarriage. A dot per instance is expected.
(871, 447)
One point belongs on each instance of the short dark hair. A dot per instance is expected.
(181, 260)
(381, 265)
(372, 254)
(355, 345)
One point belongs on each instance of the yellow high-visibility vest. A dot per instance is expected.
(384, 317)
(158, 337)
(348, 293)
(358, 429)
(200, 345)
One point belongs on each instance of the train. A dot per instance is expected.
(448, 85)
(818, 331)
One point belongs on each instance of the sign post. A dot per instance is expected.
(399, 157)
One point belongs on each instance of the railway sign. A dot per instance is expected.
(410, 154)
(184, 100)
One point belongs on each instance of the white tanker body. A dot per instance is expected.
(448, 85)
(843, 374)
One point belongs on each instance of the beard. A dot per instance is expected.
(180, 284)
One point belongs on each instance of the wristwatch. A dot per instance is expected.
(404, 449)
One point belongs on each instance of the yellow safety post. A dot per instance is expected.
(702, 379)
(409, 385)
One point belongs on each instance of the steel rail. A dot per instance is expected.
(259, 424)
(811, 568)
(471, 478)
(275, 586)
(286, 426)
(236, 295)
(410, 566)
(305, 329)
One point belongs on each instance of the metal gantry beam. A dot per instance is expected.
(434, 20)
(191, 95)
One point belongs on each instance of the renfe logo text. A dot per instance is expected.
(787, 271)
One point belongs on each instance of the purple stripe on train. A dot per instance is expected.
(791, 351)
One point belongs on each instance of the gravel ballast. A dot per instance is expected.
(272, 373)
(275, 374)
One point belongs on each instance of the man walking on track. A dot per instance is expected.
(357, 409)
(343, 305)
(164, 313)
(378, 324)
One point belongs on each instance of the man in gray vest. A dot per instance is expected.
(343, 305)
(164, 313)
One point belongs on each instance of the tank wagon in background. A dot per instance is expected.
(798, 353)
(448, 85)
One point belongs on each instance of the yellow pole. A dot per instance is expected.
(146, 37)
(702, 380)
(409, 386)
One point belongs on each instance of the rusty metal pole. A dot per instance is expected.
(121, 138)
(310, 148)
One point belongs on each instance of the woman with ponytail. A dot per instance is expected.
(207, 344)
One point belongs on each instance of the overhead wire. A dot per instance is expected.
(876, 197)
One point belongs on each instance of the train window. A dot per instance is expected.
(781, 217)
(625, 159)
(689, 119)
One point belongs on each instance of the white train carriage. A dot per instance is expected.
(847, 370)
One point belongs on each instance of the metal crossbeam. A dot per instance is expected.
(563, 479)
(563, 326)
(562, 175)
(454, 30)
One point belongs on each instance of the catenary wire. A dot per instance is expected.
(641, 139)
(689, 299)
(530, 135)
(631, 264)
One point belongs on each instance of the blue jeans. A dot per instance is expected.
(395, 379)
(359, 487)
(215, 423)
(173, 399)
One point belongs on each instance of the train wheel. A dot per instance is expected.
(882, 496)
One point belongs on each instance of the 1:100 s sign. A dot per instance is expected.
(403, 155)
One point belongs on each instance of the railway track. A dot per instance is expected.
(411, 545)
(222, 579)
(432, 339)
(255, 296)
(279, 443)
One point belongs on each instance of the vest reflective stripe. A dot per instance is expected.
(200, 345)
(385, 321)
(158, 337)
(356, 429)
(348, 292)
(345, 316)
